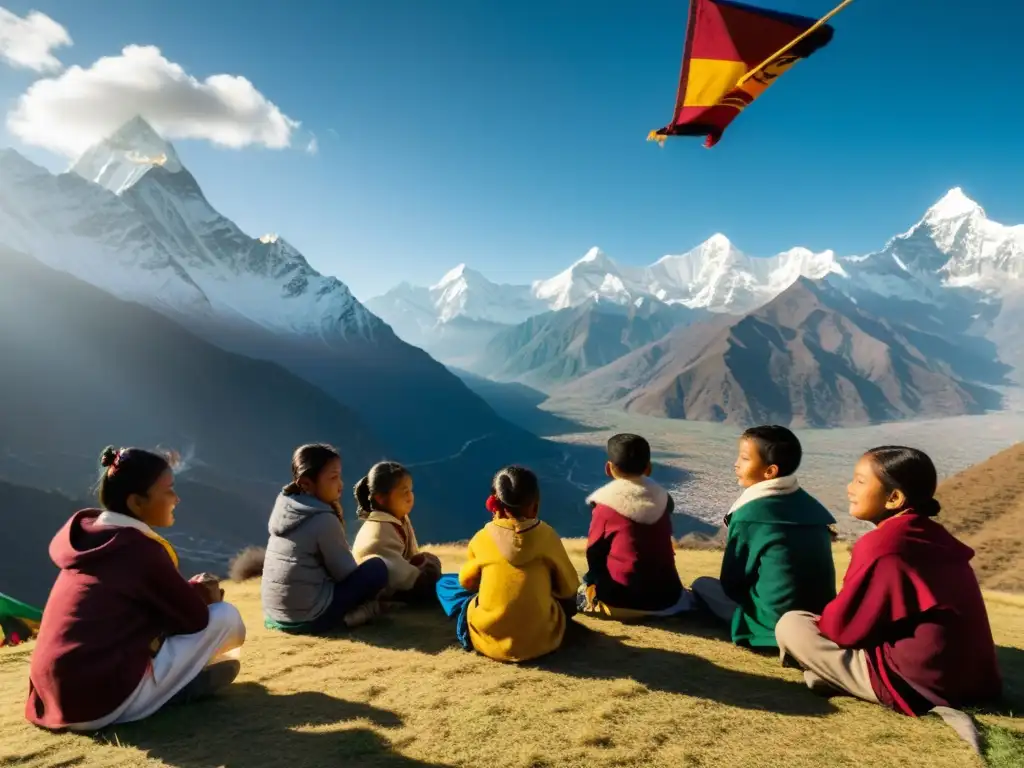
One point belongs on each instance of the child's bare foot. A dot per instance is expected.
(362, 614)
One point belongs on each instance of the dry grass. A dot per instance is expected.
(399, 693)
(984, 505)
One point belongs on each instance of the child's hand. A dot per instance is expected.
(208, 587)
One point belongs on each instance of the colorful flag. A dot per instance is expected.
(18, 621)
(733, 52)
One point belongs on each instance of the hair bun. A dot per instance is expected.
(930, 508)
(108, 456)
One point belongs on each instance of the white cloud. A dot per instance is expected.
(313, 147)
(28, 42)
(71, 111)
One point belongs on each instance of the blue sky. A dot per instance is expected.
(511, 135)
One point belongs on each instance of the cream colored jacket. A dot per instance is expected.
(394, 541)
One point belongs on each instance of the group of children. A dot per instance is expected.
(123, 634)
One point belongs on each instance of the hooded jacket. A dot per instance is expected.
(778, 558)
(118, 591)
(394, 541)
(630, 553)
(910, 599)
(521, 570)
(307, 554)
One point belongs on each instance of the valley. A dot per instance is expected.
(705, 452)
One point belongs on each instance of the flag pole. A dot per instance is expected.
(817, 25)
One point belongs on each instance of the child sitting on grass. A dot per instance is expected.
(311, 581)
(385, 498)
(630, 552)
(778, 554)
(123, 634)
(513, 597)
(909, 629)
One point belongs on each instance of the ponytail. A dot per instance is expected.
(364, 502)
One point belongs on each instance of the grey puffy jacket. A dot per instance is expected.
(307, 554)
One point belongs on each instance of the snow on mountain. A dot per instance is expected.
(719, 277)
(467, 293)
(715, 276)
(955, 245)
(593, 276)
(122, 159)
(130, 219)
(76, 227)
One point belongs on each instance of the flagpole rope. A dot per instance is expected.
(810, 30)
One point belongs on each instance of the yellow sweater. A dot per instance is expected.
(521, 570)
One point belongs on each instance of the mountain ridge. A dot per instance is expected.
(809, 357)
(159, 242)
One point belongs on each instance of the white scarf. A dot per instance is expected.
(109, 519)
(779, 486)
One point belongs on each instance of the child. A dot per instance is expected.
(778, 554)
(385, 500)
(123, 634)
(909, 628)
(630, 552)
(311, 582)
(513, 596)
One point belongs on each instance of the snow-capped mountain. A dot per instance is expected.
(955, 245)
(715, 276)
(719, 277)
(461, 311)
(130, 219)
(124, 157)
(263, 280)
(595, 276)
(467, 293)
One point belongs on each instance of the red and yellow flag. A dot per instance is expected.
(733, 52)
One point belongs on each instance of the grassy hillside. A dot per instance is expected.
(399, 693)
(984, 505)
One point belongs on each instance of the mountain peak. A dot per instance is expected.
(953, 205)
(595, 258)
(460, 272)
(120, 160)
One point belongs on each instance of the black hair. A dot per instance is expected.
(776, 445)
(911, 472)
(516, 488)
(309, 461)
(380, 480)
(630, 454)
(128, 472)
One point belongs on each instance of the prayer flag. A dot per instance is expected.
(733, 52)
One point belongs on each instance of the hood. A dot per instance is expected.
(85, 539)
(518, 541)
(292, 511)
(917, 539)
(640, 499)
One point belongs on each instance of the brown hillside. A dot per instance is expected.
(809, 357)
(984, 506)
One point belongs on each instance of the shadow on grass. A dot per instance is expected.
(594, 655)
(248, 727)
(1011, 664)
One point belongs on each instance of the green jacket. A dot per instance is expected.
(778, 558)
